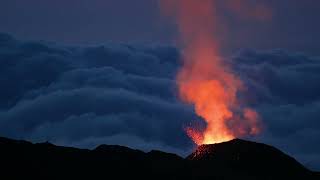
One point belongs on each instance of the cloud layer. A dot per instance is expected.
(125, 94)
(285, 88)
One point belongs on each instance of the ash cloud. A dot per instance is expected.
(125, 94)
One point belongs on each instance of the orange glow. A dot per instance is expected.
(204, 80)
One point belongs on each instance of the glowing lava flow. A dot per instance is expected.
(205, 80)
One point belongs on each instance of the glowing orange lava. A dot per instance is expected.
(205, 80)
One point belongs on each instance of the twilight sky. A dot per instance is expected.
(294, 25)
(105, 74)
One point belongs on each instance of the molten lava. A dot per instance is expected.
(205, 80)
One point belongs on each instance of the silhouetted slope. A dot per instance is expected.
(246, 159)
(236, 159)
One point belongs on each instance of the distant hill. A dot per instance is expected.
(236, 159)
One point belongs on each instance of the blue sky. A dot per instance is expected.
(294, 25)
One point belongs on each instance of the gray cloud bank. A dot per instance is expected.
(125, 94)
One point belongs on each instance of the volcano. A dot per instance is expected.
(246, 159)
(235, 159)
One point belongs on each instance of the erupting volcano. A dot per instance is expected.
(205, 80)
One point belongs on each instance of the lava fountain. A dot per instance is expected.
(205, 80)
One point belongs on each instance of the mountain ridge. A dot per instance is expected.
(228, 160)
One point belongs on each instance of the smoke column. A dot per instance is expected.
(204, 80)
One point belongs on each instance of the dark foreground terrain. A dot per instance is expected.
(236, 159)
